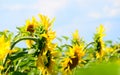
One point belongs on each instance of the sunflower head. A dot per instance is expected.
(4, 47)
(100, 31)
(76, 38)
(76, 35)
(46, 21)
(30, 25)
(99, 43)
(74, 58)
(50, 36)
(45, 63)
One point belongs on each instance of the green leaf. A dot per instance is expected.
(65, 37)
(18, 73)
(59, 39)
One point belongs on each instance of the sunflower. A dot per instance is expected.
(100, 49)
(46, 21)
(49, 34)
(46, 62)
(30, 27)
(4, 47)
(74, 58)
(100, 46)
(100, 31)
(76, 38)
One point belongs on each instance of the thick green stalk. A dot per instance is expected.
(25, 38)
(88, 45)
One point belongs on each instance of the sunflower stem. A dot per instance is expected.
(25, 38)
(16, 67)
(115, 52)
(88, 45)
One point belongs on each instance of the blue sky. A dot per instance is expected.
(84, 15)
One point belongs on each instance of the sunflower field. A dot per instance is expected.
(46, 54)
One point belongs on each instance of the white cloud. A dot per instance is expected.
(111, 11)
(112, 8)
(50, 7)
(47, 7)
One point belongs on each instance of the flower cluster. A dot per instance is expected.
(42, 53)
